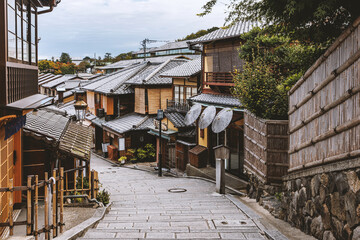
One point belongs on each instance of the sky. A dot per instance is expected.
(84, 27)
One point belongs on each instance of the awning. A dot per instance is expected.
(164, 134)
(77, 141)
(29, 103)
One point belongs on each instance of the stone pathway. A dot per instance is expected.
(144, 208)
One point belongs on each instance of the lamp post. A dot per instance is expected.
(159, 117)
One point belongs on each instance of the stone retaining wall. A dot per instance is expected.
(325, 205)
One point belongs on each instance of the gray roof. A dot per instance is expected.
(151, 74)
(130, 122)
(67, 109)
(115, 83)
(177, 119)
(188, 69)
(65, 95)
(223, 33)
(44, 123)
(58, 81)
(126, 63)
(218, 99)
(48, 79)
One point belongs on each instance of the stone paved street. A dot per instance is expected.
(144, 208)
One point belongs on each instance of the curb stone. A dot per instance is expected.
(78, 230)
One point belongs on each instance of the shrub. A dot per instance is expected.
(103, 196)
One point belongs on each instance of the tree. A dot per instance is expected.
(198, 34)
(83, 66)
(314, 20)
(65, 58)
(46, 66)
(273, 63)
(107, 57)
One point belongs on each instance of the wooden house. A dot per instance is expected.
(178, 138)
(220, 57)
(18, 86)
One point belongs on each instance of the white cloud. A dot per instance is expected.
(84, 27)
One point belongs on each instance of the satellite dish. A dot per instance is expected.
(222, 120)
(192, 114)
(207, 117)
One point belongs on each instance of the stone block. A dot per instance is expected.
(315, 185)
(337, 206)
(328, 236)
(317, 227)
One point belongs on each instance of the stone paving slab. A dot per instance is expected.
(143, 208)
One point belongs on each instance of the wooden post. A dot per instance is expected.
(89, 179)
(36, 206)
(28, 204)
(96, 184)
(220, 176)
(46, 212)
(92, 176)
(54, 205)
(11, 206)
(61, 199)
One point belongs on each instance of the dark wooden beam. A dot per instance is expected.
(3, 53)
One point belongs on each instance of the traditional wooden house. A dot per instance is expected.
(220, 57)
(178, 138)
(18, 86)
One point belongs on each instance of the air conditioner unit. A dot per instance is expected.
(100, 112)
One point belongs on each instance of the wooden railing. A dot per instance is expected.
(53, 201)
(177, 106)
(219, 79)
(76, 183)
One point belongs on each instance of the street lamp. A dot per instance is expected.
(80, 109)
(159, 117)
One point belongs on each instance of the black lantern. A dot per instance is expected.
(80, 109)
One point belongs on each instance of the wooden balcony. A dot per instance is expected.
(177, 106)
(219, 79)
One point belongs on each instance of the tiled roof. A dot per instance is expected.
(188, 69)
(223, 33)
(126, 63)
(170, 45)
(44, 123)
(225, 100)
(177, 119)
(57, 81)
(115, 83)
(77, 141)
(151, 75)
(48, 79)
(129, 122)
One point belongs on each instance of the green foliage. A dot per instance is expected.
(273, 64)
(146, 154)
(65, 58)
(278, 196)
(198, 34)
(104, 197)
(85, 183)
(123, 158)
(315, 20)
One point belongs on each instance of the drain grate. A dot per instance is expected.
(177, 190)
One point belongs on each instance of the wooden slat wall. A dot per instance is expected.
(21, 83)
(6, 172)
(154, 100)
(166, 94)
(343, 87)
(266, 146)
(140, 100)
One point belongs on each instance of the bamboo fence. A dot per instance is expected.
(324, 113)
(266, 148)
(54, 220)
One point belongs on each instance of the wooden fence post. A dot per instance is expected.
(61, 199)
(36, 206)
(92, 176)
(54, 206)
(28, 203)
(96, 184)
(89, 179)
(46, 210)
(11, 206)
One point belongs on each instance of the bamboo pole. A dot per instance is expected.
(61, 199)
(89, 179)
(36, 206)
(96, 183)
(54, 204)
(11, 206)
(28, 226)
(66, 183)
(46, 217)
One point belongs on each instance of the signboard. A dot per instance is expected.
(121, 144)
(104, 147)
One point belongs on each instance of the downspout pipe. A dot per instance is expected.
(52, 5)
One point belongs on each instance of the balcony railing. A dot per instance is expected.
(219, 79)
(177, 106)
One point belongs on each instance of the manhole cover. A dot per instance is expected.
(177, 190)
